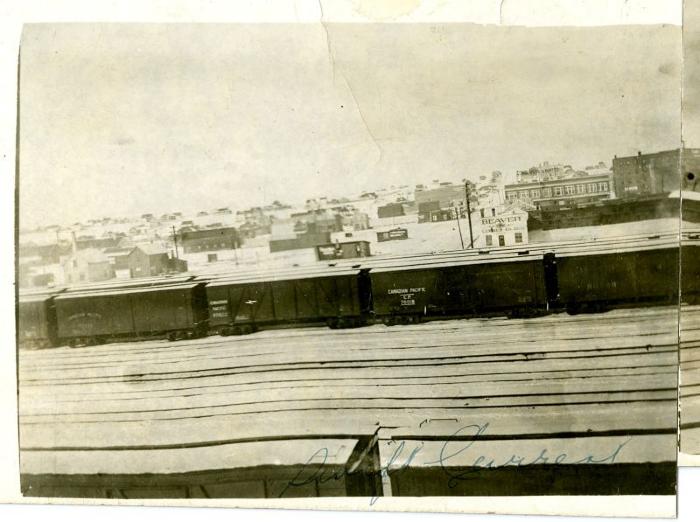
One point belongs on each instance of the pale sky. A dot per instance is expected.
(119, 120)
(691, 74)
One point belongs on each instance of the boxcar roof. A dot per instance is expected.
(128, 283)
(38, 294)
(284, 275)
(417, 264)
(532, 247)
(523, 254)
(34, 298)
(123, 291)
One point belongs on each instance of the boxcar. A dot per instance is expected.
(340, 298)
(515, 284)
(36, 320)
(594, 279)
(98, 316)
(690, 269)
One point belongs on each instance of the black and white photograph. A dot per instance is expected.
(689, 324)
(429, 261)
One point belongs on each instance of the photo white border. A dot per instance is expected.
(14, 13)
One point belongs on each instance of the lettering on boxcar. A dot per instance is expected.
(84, 315)
(219, 308)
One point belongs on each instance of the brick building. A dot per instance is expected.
(579, 189)
(211, 239)
(655, 173)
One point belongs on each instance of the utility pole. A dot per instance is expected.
(177, 254)
(459, 227)
(469, 214)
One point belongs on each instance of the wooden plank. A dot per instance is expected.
(161, 461)
(515, 422)
(474, 394)
(340, 374)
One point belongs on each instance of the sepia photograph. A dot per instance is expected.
(369, 260)
(689, 325)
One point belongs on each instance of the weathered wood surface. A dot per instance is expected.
(588, 381)
(690, 380)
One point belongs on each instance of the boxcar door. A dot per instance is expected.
(306, 299)
(327, 292)
(284, 299)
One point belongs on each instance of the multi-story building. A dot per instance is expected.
(319, 221)
(209, 239)
(655, 173)
(446, 194)
(543, 172)
(500, 226)
(579, 189)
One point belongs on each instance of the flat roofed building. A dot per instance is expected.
(211, 239)
(565, 192)
(656, 173)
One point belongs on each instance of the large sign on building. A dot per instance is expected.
(501, 227)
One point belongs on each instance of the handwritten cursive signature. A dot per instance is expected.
(459, 442)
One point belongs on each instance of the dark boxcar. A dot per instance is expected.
(601, 278)
(133, 313)
(690, 270)
(36, 321)
(468, 287)
(244, 304)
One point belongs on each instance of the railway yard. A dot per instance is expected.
(690, 381)
(574, 404)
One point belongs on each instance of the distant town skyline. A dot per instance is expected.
(122, 120)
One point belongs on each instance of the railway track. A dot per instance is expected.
(204, 416)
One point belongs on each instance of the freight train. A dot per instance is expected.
(574, 277)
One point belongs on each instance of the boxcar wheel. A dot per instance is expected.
(573, 308)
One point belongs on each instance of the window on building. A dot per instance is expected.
(482, 212)
(518, 237)
(580, 189)
(75, 263)
(602, 187)
(535, 193)
(570, 190)
(591, 188)
(489, 239)
(212, 258)
(557, 191)
(501, 241)
(493, 212)
(81, 277)
(547, 192)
